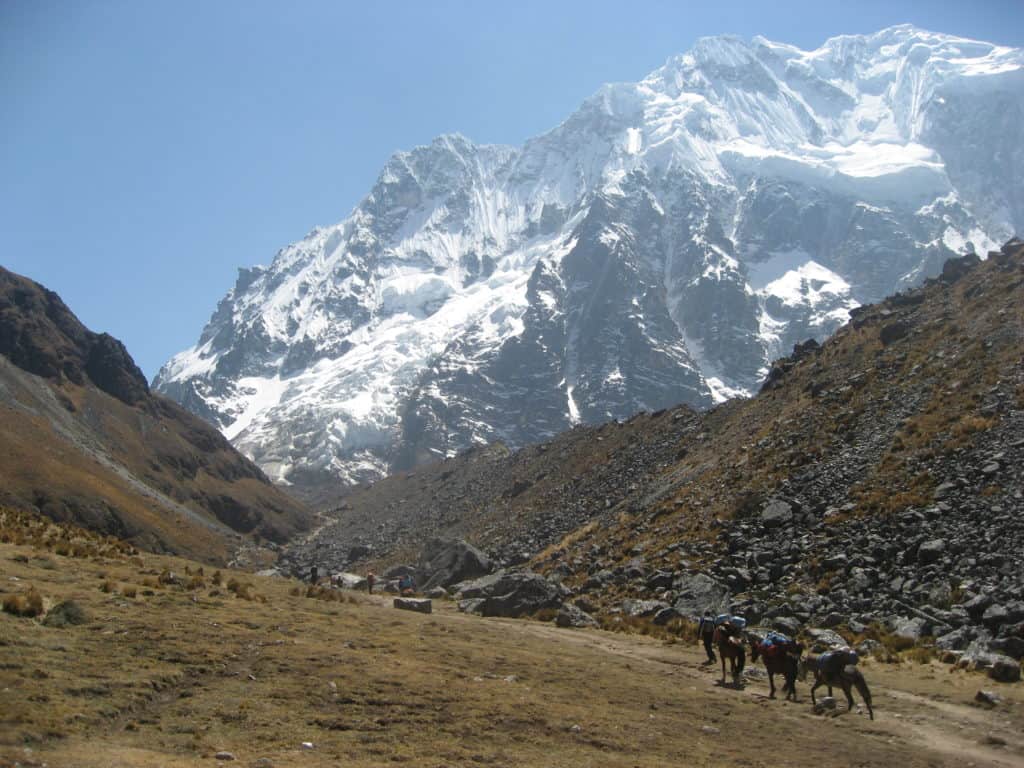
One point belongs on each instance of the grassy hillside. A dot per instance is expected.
(173, 664)
(84, 440)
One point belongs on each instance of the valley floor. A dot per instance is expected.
(173, 677)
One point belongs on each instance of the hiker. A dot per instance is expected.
(705, 633)
(406, 585)
(314, 574)
(371, 579)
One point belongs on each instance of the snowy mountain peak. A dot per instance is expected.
(661, 245)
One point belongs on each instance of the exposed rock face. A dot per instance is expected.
(85, 441)
(444, 563)
(661, 246)
(39, 334)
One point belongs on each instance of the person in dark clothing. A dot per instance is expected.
(705, 632)
(314, 575)
(371, 579)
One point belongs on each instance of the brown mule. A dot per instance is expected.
(728, 639)
(839, 674)
(779, 659)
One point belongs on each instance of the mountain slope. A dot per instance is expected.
(85, 441)
(873, 478)
(662, 245)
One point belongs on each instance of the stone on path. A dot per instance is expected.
(418, 605)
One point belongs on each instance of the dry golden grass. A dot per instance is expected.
(173, 677)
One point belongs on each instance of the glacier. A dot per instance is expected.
(662, 245)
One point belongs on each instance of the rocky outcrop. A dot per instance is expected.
(509, 594)
(446, 562)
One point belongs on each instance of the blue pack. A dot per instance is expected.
(737, 621)
(776, 638)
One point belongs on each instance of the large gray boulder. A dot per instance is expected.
(825, 639)
(777, 513)
(570, 615)
(510, 594)
(698, 592)
(445, 562)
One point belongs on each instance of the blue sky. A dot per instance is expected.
(148, 149)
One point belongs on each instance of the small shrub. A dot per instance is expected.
(66, 614)
(196, 582)
(129, 591)
(28, 605)
(921, 654)
(241, 589)
(108, 587)
(896, 643)
(217, 579)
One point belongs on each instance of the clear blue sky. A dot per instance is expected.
(148, 149)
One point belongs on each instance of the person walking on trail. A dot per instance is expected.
(371, 579)
(705, 633)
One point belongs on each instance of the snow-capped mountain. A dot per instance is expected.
(662, 245)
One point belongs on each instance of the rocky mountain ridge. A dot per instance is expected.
(662, 245)
(875, 481)
(85, 441)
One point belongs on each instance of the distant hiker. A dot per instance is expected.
(371, 579)
(406, 585)
(314, 575)
(705, 633)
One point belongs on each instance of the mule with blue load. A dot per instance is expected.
(838, 668)
(781, 655)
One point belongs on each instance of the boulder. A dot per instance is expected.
(444, 563)
(995, 616)
(776, 514)
(642, 608)
(824, 639)
(698, 592)
(787, 625)
(1004, 669)
(437, 593)
(348, 581)
(571, 616)
(509, 593)
(976, 606)
(931, 551)
(660, 580)
(956, 640)
(665, 615)
(418, 605)
(910, 628)
(398, 571)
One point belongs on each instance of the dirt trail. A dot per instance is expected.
(968, 734)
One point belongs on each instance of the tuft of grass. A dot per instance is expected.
(922, 654)
(196, 582)
(28, 605)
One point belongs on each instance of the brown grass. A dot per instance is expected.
(185, 674)
(28, 605)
